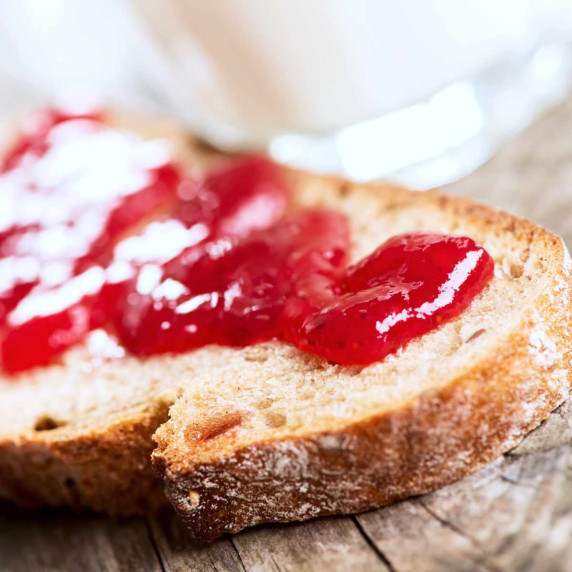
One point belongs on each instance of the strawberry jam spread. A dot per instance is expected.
(99, 229)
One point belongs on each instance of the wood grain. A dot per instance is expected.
(515, 514)
(55, 541)
(325, 544)
(177, 552)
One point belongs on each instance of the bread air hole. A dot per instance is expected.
(344, 190)
(264, 403)
(306, 394)
(213, 427)
(275, 420)
(69, 483)
(475, 335)
(540, 266)
(256, 358)
(515, 270)
(47, 423)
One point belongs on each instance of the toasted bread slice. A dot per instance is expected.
(270, 433)
(277, 435)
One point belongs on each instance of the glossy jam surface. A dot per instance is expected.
(70, 188)
(84, 208)
(99, 229)
(406, 288)
(236, 292)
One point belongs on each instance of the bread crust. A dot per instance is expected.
(104, 469)
(432, 440)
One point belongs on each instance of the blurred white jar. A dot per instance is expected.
(296, 74)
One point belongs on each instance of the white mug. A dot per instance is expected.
(249, 72)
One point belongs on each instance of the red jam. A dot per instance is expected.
(410, 285)
(236, 292)
(100, 230)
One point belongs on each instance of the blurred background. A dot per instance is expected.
(421, 91)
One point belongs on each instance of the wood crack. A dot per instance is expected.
(449, 524)
(479, 560)
(380, 554)
(278, 567)
(155, 546)
(515, 483)
(237, 551)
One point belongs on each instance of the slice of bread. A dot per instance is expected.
(78, 433)
(270, 433)
(276, 435)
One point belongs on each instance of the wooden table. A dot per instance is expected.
(515, 514)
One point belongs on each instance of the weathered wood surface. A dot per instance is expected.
(515, 514)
